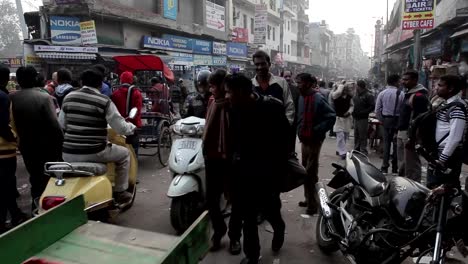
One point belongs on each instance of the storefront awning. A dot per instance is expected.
(460, 33)
(69, 56)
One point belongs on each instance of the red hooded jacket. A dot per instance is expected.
(119, 97)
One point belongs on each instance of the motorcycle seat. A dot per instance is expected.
(81, 168)
(370, 178)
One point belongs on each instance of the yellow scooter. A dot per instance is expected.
(92, 180)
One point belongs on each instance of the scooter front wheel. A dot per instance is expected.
(185, 210)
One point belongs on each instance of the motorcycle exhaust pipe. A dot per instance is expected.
(323, 198)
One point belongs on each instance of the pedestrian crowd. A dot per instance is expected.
(250, 136)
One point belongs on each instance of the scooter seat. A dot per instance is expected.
(95, 169)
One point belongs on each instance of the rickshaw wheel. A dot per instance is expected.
(164, 145)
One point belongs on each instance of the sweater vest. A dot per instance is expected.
(85, 122)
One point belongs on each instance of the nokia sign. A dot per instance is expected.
(65, 30)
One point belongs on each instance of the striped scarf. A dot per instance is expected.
(308, 118)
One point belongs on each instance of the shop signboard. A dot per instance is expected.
(433, 48)
(67, 2)
(202, 46)
(219, 48)
(67, 49)
(202, 59)
(260, 24)
(238, 50)
(65, 30)
(88, 32)
(179, 43)
(215, 16)
(418, 14)
(219, 61)
(180, 58)
(157, 43)
(240, 35)
(170, 9)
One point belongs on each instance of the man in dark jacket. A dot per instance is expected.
(64, 79)
(259, 160)
(197, 103)
(315, 118)
(415, 103)
(39, 134)
(364, 104)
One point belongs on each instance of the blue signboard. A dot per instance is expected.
(157, 43)
(219, 61)
(65, 30)
(180, 43)
(170, 9)
(202, 46)
(237, 50)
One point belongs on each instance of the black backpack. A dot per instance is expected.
(422, 130)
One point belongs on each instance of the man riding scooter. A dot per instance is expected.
(84, 117)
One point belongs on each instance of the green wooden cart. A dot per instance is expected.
(64, 235)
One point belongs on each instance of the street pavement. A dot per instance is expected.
(152, 207)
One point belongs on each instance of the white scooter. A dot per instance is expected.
(187, 166)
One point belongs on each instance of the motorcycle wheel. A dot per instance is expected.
(184, 211)
(326, 243)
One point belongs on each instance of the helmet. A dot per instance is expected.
(202, 77)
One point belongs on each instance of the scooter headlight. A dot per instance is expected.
(189, 130)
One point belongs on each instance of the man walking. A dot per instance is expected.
(39, 134)
(387, 108)
(323, 90)
(267, 84)
(415, 103)
(258, 165)
(363, 105)
(287, 75)
(315, 118)
(343, 104)
(450, 132)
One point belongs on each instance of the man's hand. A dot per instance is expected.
(347, 114)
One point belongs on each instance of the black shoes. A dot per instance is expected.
(122, 197)
(250, 261)
(384, 170)
(235, 247)
(311, 211)
(302, 204)
(277, 242)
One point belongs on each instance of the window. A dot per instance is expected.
(252, 23)
(273, 5)
(269, 31)
(289, 25)
(245, 20)
(234, 19)
(274, 34)
(289, 49)
(284, 48)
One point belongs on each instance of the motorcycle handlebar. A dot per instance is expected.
(432, 162)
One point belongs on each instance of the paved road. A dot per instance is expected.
(152, 206)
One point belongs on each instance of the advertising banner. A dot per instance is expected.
(202, 46)
(260, 24)
(240, 35)
(238, 50)
(219, 48)
(69, 49)
(418, 14)
(180, 43)
(170, 9)
(215, 16)
(157, 43)
(88, 33)
(219, 61)
(202, 59)
(65, 30)
(67, 2)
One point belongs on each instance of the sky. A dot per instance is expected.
(358, 14)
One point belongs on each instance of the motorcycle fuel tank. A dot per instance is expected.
(407, 200)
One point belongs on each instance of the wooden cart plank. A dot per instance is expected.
(37, 234)
(128, 236)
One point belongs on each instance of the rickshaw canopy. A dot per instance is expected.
(133, 63)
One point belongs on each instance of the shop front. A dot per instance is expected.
(237, 57)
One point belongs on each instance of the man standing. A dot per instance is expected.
(287, 75)
(64, 79)
(125, 98)
(105, 88)
(258, 165)
(315, 118)
(363, 105)
(343, 104)
(415, 103)
(84, 117)
(197, 103)
(387, 108)
(323, 90)
(267, 84)
(450, 132)
(39, 134)
(7, 158)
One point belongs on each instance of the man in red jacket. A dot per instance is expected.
(120, 97)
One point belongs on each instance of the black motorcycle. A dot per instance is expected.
(372, 218)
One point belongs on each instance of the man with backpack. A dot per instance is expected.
(415, 103)
(125, 98)
(450, 132)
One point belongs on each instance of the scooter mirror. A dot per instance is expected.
(132, 113)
